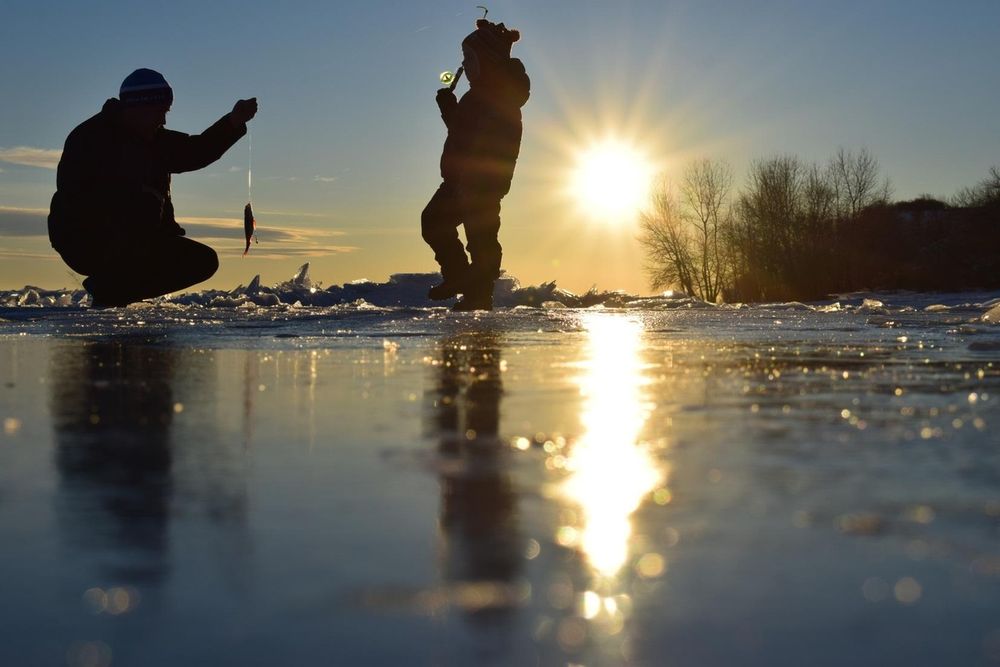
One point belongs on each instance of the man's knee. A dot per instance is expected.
(209, 263)
(200, 261)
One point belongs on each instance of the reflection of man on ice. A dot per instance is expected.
(477, 165)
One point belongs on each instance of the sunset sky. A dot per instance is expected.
(347, 140)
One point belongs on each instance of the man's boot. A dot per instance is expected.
(96, 302)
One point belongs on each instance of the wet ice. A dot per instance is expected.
(625, 482)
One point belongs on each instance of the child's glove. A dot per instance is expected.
(447, 103)
(446, 99)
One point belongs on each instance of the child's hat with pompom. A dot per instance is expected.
(491, 39)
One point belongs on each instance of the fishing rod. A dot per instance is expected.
(451, 80)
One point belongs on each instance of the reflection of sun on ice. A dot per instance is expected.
(611, 472)
(611, 181)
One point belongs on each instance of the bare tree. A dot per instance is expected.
(783, 234)
(984, 193)
(788, 234)
(705, 190)
(684, 231)
(856, 181)
(819, 199)
(666, 242)
(770, 206)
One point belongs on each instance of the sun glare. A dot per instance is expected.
(611, 181)
(611, 471)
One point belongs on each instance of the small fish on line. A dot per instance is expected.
(249, 227)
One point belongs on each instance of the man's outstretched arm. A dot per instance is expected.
(185, 152)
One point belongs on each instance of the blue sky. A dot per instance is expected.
(346, 144)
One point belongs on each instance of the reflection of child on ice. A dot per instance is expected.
(477, 165)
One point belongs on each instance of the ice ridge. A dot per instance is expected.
(401, 290)
(409, 290)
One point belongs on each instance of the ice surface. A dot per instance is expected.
(233, 479)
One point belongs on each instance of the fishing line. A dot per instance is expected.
(249, 166)
(249, 223)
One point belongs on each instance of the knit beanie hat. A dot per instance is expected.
(145, 87)
(491, 40)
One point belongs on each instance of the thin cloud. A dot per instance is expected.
(324, 179)
(292, 214)
(15, 253)
(44, 158)
(23, 221)
(262, 251)
(226, 236)
(378, 231)
(223, 234)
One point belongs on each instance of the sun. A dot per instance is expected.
(611, 181)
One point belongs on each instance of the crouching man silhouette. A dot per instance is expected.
(111, 218)
(477, 166)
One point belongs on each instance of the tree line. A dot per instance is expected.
(803, 231)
